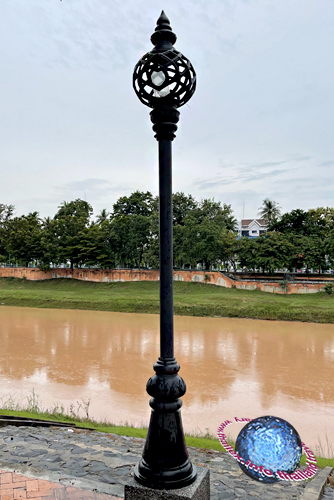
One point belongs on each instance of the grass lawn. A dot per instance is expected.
(190, 299)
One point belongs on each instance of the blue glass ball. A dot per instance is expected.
(271, 442)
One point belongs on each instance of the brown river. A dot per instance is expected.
(232, 367)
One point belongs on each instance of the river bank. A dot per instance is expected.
(190, 299)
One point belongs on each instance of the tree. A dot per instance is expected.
(6, 214)
(188, 236)
(70, 222)
(321, 221)
(246, 252)
(179, 255)
(138, 203)
(229, 248)
(314, 253)
(95, 247)
(297, 221)
(135, 223)
(210, 244)
(308, 232)
(272, 251)
(329, 247)
(131, 235)
(131, 226)
(199, 242)
(298, 242)
(267, 252)
(103, 216)
(139, 233)
(183, 205)
(214, 211)
(309, 252)
(151, 250)
(49, 244)
(270, 210)
(22, 238)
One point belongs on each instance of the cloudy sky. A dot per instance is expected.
(260, 123)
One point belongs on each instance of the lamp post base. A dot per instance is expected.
(168, 479)
(198, 490)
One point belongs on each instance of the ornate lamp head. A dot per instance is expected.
(164, 76)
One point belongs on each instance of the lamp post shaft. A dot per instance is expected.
(165, 463)
(166, 249)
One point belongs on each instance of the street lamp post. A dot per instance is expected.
(164, 80)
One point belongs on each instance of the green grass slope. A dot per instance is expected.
(190, 299)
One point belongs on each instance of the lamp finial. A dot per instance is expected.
(163, 36)
(163, 22)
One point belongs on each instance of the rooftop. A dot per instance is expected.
(246, 222)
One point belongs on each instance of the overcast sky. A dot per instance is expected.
(260, 123)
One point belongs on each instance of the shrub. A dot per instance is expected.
(329, 288)
(284, 285)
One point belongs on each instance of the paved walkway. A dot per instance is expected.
(58, 463)
(16, 487)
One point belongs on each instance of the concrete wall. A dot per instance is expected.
(114, 275)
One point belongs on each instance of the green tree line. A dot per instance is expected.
(295, 240)
(204, 233)
(127, 237)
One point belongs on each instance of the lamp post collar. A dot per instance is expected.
(163, 37)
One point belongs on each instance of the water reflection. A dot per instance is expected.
(232, 367)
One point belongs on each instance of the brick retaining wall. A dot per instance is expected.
(113, 275)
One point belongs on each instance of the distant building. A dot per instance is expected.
(252, 227)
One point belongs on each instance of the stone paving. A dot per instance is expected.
(103, 463)
(329, 488)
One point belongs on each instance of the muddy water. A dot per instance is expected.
(232, 367)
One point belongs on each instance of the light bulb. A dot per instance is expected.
(158, 78)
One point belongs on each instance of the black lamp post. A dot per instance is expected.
(165, 80)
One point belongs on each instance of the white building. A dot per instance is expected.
(252, 227)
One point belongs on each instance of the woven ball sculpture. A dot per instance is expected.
(164, 76)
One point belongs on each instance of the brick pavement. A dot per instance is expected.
(16, 487)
